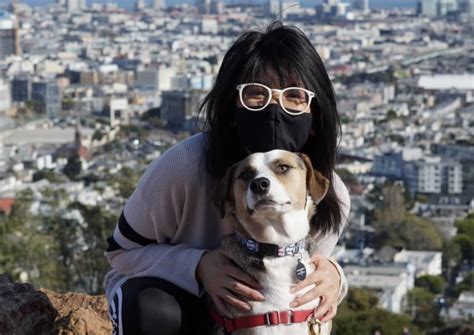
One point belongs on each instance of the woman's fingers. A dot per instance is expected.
(244, 290)
(316, 292)
(228, 297)
(305, 298)
(331, 313)
(240, 275)
(322, 309)
(221, 307)
(313, 278)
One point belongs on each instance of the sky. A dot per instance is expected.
(306, 3)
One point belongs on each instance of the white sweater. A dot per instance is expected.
(170, 220)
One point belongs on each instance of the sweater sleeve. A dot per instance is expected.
(327, 243)
(141, 242)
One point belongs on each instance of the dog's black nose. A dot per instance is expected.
(260, 185)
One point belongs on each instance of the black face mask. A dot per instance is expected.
(272, 128)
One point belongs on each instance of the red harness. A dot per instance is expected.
(268, 319)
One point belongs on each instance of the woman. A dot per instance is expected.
(164, 250)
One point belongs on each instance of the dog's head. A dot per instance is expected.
(268, 192)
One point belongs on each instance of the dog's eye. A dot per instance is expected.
(247, 175)
(283, 168)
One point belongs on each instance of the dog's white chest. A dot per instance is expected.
(278, 277)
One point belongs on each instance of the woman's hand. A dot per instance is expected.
(225, 282)
(327, 281)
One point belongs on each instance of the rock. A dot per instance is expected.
(80, 314)
(24, 310)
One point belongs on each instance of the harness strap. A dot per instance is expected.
(268, 319)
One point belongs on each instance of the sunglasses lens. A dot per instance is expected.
(295, 100)
(254, 96)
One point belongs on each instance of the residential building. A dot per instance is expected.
(46, 93)
(8, 35)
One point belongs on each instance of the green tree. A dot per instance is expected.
(26, 246)
(125, 180)
(49, 175)
(451, 255)
(466, 245)
(421, 303)
(88, 264)
(434, 284)
(347, 176)
(394, 226)
(467, 284)
(358, 314)
(73, 167)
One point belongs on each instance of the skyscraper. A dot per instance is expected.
(159, 5)
(204, 6)
(139, 5)
(435, 8)
(8, 35)
(46, 94)
(362, 5)
(428, 7)
(73, 5)
(5, 100)
(20, 88)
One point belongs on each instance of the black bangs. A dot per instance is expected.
(279, 56)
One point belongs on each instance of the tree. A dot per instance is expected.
(466, 245)
(433, 284)
(359, 315)
(73, 167)
(451, 255)
(467, 284)
(27, 247)
(396, 227)
(88, 264)
(347, 176)
(49, 175)
(424, 309)
(126, 180)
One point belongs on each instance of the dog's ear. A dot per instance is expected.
(222, 192)
(316, 183)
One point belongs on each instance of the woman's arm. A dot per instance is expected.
(141, 242)
(328, 278)
(327, 244)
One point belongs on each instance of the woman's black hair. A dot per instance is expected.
(279, 56)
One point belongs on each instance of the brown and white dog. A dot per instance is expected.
(270, 198)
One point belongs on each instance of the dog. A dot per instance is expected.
(269, 199)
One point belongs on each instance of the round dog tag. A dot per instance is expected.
(300, 270)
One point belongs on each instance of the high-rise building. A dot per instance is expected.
(216, 7)
(8, 35)
(46, 93)
(139, 5)
(288, 7)
(204, 6)
(73, 5)
(435, 8)
(428, 7)
(21, 88)
(446, 6)
(362, 5)
(5, 100)
(178, 107)
(421, 173)
(272, 7)
(159, 4)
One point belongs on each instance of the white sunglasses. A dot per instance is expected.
(293, 100)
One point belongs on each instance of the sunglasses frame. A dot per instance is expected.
(241, 87)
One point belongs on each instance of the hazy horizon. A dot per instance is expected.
(376, 4)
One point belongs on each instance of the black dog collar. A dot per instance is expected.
(267, 249)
